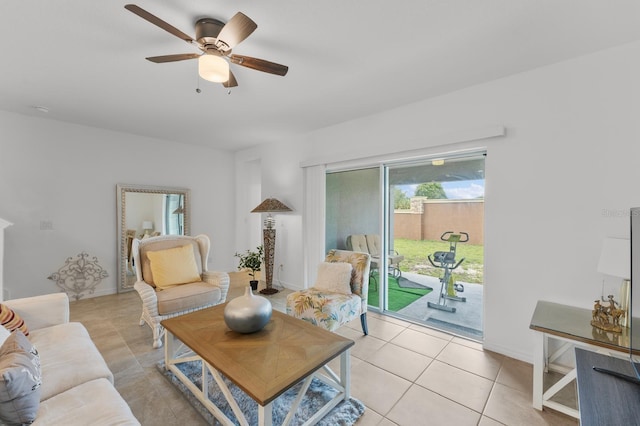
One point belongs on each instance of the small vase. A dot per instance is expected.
(248, 313)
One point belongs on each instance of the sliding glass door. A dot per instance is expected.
(434, 223)
(423, 223)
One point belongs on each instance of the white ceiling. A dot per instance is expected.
(84, 60)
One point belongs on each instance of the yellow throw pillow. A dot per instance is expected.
(173, 266)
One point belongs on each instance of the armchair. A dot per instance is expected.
(173, 280)
(370, 243)
(331, 309)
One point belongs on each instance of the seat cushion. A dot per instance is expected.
(187, 296)
(93, 403)
(327, 310)
(68, 358)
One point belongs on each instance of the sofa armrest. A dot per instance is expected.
(220, 279)
(42, 311)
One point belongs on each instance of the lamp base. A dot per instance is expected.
(269, 290)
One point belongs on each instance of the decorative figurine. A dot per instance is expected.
(607, 317)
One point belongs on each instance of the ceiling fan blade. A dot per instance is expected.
(173, 58)
(239, 27)
(158, 22)
(231, 82)
(259, 64)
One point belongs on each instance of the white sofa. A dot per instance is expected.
(77, 385)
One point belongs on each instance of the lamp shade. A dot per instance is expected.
(271, 205)
(615, 258)
(147, 224)
(213, 68)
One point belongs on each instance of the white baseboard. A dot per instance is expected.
(502, 350)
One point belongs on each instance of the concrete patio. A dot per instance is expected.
(466, 321)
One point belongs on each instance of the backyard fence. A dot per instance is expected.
(428, 219)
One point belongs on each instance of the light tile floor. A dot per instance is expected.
(404, 373)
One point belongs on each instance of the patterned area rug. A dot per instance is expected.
(345, 413)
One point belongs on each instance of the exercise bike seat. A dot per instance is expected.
(445, 257)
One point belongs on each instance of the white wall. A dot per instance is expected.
(561, 179)
(281, 178)
(67, 174)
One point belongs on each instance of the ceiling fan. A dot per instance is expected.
(216, 40)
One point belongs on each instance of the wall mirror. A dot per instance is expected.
(143, 212)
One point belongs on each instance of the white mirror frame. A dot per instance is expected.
(121, 192)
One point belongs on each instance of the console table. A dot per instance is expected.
(568, 327)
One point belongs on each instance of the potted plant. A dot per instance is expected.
(252, 260)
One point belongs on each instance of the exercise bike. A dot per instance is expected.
(446, 260)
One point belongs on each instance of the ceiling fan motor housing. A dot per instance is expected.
(207, 30)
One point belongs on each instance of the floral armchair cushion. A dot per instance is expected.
(327, 310)
(330, 310)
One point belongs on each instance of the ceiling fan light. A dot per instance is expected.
(213, 68)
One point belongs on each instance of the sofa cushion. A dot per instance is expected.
(357, 242)
(373, 245)
(188, 296)
(173, 266)
(94, 403)
(20, 380)
(68, 358)
(11, 320)
(334, 277)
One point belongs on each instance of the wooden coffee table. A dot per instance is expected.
(263, 364)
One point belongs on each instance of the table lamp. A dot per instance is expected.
(615, 260)
(147, 226)
(269, 205)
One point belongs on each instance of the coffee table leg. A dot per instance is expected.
(169, 349)
(265, 415)
(345, 373)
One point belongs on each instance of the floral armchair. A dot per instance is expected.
(331, 309)
(172, 279)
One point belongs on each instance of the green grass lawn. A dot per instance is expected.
(398, 297)
(415, 259)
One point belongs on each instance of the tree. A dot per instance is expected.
(400, 199)
(431, 190)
